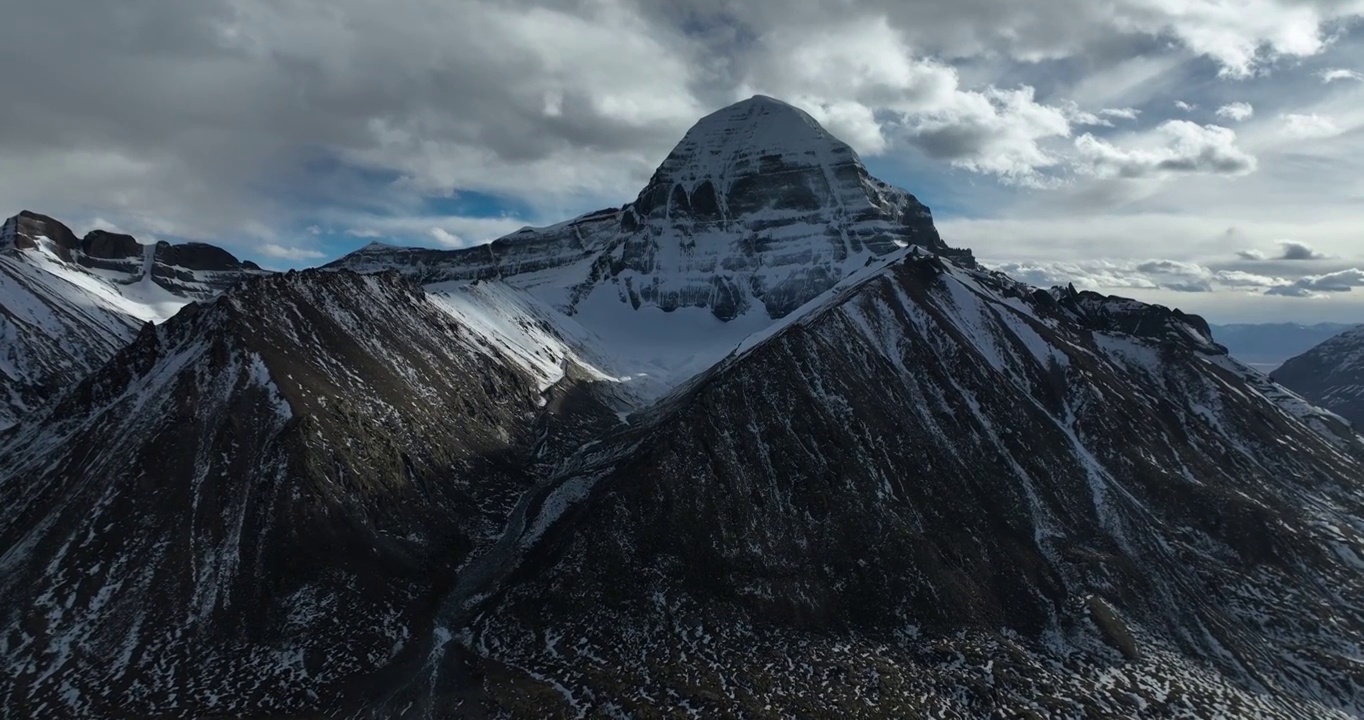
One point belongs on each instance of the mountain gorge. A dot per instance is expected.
(756, 444)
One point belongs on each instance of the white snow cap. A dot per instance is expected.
(732, 142)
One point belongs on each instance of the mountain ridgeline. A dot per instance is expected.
(756, 444)
(68, 304)
(1331, 374)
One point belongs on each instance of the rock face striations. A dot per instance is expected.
(1331, 375)
(757, 444)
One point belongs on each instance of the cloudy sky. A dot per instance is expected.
(1207, 154)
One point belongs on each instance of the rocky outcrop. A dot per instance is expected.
(111, 246)
(23, 231)
(199, 256)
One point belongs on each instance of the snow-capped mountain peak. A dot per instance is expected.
(756, 211)
(750, 138)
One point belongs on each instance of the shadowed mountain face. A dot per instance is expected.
(68, 304)
(944, 453)
(277, 483)
(1331, 375)
(923, 490)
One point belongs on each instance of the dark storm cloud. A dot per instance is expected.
(1290, 250)
(1299, 251)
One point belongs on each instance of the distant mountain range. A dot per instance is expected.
(1265, 346)
(1331, 374)
(68, 304)
(758, 443)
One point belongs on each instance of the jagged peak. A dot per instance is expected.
(25, 228)
(1112, 313)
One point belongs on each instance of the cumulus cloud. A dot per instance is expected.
(1237, 111)
(1290, 250)
(1174, 147)
(848, 74)
(1102, 118)
(452, 231)
(1308, 126)
(216, 111)
(1126, 113)
(1243, 38)
(1316, 285)
(1111, 275)
(1179, 276)
(285, 252)
(998, 131)
(1330, 76)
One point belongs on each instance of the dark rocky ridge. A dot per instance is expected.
(874, 484)
(111, 246)
(22, 230)
(305, 444)
(1331, 375)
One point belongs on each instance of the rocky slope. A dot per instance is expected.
(67, 304)
(531, 486)
(943, 493)
(1331, 375)
(256, 501)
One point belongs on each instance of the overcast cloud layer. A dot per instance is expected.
(1204, 153)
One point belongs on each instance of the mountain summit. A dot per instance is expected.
(731, 144)
(757, 211)
(765, 156)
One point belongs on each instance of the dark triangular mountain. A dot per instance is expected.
(943, 493)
